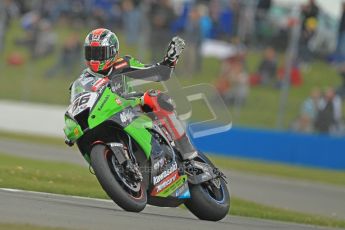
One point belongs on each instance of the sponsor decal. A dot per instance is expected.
(116, 86)
(80, 102)
(79, 109)
(103, 103)
(96, 37)
(158, 164)
(185, 195)
(115, 144)
(95, 43)
(165, 183)
(164, 174)
(126, 116)
(179, 192)
(99, 83)
(118, 101)
(121, 65)
(76, 131)
(86, 80)
(170, 190)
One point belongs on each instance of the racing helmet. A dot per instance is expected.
(101, 49)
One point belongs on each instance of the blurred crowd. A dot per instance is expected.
(321, 112)
(260, 25)
(146, 24)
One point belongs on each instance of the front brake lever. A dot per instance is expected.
(68, 142)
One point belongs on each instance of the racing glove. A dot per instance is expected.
(175, 48)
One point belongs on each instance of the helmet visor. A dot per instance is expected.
(99, 53)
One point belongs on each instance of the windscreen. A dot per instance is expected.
(78, 89)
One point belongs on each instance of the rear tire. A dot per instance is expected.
(208, 202)
(112, 184)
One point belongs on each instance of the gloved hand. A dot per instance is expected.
(175, 48)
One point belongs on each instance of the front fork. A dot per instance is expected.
(125, 157)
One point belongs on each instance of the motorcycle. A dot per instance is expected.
(133, 154)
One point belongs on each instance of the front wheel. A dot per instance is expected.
(129, 195)
(209, 200)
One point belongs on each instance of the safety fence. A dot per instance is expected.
(320, 151)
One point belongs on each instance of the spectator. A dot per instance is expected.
(309, 112)
(310, 10)
(341, 34)
(40, 37)
(262, 8)
(161, 16)
(205, 21)
(30, 23)
(328, 119)
(295, 77)
(310, 14)
(261, 21)
(247, 20)
(131, 21)
(8, 10)
(45, 41)
(145, 31)
(268, 67)
(341, 88)
(193, 37)
(78, 12)
(104, 13)
(69, 58)
(99, 17)
(214, 11)
(226, 22)
(233, 82)
(222, 20)
(236, 9)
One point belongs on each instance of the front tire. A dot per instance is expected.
(208, 202)
(102, 162)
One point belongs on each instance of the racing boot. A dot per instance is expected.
(186, 148)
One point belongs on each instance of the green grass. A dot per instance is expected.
(6, 226)
(246, 208)
(230, 163)
(281, 170)
(61, 178)
(31, 138)
(27, 82)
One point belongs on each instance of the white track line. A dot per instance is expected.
(54, 195)
(62, 196)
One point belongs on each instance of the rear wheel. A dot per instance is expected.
(209, 200)
(120, 187)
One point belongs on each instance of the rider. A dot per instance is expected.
(102, 58)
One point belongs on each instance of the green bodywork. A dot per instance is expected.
(72, 129)
(106, 108)
(134, 63)
(138, 130)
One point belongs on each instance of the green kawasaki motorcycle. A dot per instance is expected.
(133, 155)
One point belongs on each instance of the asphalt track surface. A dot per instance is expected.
(82, 213)
(295, 195)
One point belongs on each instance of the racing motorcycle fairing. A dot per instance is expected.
(105, 117)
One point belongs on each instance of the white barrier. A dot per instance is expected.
(32, 118)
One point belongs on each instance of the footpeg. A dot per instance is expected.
(207, 172)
